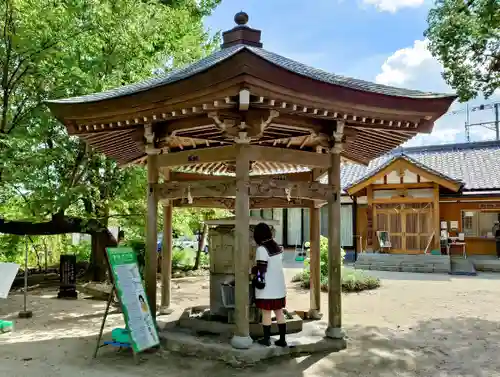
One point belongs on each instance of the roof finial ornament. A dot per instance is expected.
(241, 18)
(241, 33)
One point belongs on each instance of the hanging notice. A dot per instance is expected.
(135, 307)
(8, 272)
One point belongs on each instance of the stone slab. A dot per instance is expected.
(359, 266)
(293, 326)
(424, 263)
(195, 319)
(485, 264)
(310, 340)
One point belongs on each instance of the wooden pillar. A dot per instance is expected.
(241, 338)
(334, 329)
(315, 263)
(371, 234)
(151, 234)
(166, 260)
(436, 219)
(355, 235)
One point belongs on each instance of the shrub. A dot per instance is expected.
(356, 281)
(204, 259)
(352, 280)
(323, 249)
(180, 258)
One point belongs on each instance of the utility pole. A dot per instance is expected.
(497, 125)
(491, 125)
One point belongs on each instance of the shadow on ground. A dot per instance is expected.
(433, 348)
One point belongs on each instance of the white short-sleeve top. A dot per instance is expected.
(275, 278)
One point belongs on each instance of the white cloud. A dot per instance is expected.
(414, 67)
(393, 6)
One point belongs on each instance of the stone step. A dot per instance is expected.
(461, 266)
(402, 262)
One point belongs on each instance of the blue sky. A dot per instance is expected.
(376, 40)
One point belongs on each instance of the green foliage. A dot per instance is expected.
(204, 260)
(356, 281)
(180, 258)
(54, 49)
(82, 251)
(352, 280)
(465, 37)
(188, 221)
(323, 248)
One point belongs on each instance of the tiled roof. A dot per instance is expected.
(221, 55)
(477, 165)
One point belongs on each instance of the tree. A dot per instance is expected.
(191, 221)
(53, 49)
(465, 37)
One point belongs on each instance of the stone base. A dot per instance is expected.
(198, 319)
(165, 310)
(217, 347)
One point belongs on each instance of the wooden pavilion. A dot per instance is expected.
(246, 128)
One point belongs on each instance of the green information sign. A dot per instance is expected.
(130, 290)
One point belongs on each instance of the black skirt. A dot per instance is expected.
(271, 303)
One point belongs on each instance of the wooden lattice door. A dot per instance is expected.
(418, 226)
(409, 225)
(388, 218)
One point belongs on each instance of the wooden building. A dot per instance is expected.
(245, 128)
(409, 192)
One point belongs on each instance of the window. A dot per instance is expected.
(479, 223)
(346, 230)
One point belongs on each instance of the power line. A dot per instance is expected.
(493, 125)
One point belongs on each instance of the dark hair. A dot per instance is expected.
(142, 299)
(264, 237)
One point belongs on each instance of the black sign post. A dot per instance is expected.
(67, 272)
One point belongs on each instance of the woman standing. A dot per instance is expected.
(270, 292)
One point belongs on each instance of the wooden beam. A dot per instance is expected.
(151, 234)
(197, 156)
(262, 203)
(334, 329)
(267, 187)
(166, 254)
(315, 263)
(371, 225)
(276, 188)
(436, 219)
(290, 177)
(192, 189)
(287, 156)
(403, 200)
(241, 338)
(166, 260)
(255, 203)
(395, 186)
(318, 173)
(206, 202)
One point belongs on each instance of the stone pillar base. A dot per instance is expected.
(314, 314)
(165, 310)
(241, 342)
(335, 333)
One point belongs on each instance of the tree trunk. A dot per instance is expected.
(201, 246)
(98, 267)
(101, 239)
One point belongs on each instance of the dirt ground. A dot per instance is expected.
(414, 325)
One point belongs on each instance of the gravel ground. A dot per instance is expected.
(414, 325)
